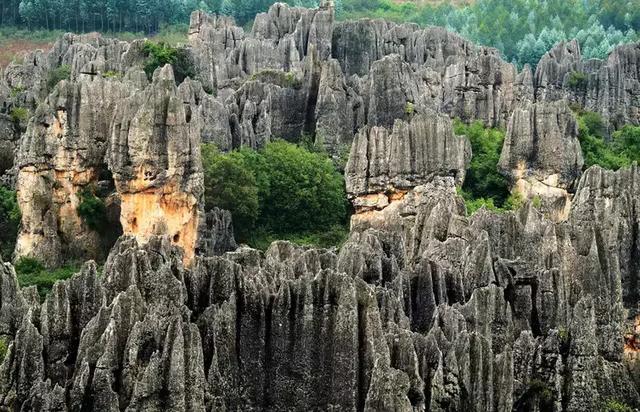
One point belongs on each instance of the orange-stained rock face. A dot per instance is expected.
(49, 200)
(367, 204)
(161, 211)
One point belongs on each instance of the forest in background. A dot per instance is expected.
(523, 30)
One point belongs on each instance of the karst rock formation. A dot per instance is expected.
(423, 308)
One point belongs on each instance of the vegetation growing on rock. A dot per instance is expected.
(92, 210)
(484, 186)
(283, 190)
(9, 222)
(32, 273)
(620, 150)
(56, 75)
(161, 53)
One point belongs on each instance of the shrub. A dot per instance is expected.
(16, 91)
(283, 191)
(409, 109)
(56, 75)
(230, 185)
(161, 53)
(483, 182)
(513, 202)
(623, 150)
(9, 222)
(92, 210)
(278, 77)
(19, 115)
(537, 202)
(612, 405)
(32, 273)
(111, 74)
(577, 80)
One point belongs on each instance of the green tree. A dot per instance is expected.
(231, 185)
(483, 178)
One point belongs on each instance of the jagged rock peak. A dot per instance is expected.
(154, 154)
(388, 162)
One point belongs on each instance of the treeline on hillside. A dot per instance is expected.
(523, 30)
(123, 15)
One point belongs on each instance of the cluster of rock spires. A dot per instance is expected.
(423, 308)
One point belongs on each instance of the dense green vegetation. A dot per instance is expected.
(620, 151)
(92, 210)
(523, 30)
(160, 54)
(484, 186)
(32, 273)
(9, 222)
(283, 191)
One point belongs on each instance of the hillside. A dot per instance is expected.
(490, 261)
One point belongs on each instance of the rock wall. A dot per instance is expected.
(423, 308)
(60, 157)
(154, 154)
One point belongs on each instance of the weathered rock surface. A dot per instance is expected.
(422, 309)
(542, 154)
(610, 87)
(384, 161)
(154, 155)
(60, 158)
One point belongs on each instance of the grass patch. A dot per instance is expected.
(32, 273)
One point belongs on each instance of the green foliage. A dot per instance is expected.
(612, 405)
(112, 75)
(4, 347)
(409, 109)
(283, 191)
(563, 334)
(513, 202)
(483, 179)
(92, 210)
(19, 115)
(621, 151)
(160, 54)
(577, 80)
(9, 222)
(231, 185)
(57, 75)
(32, 273)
